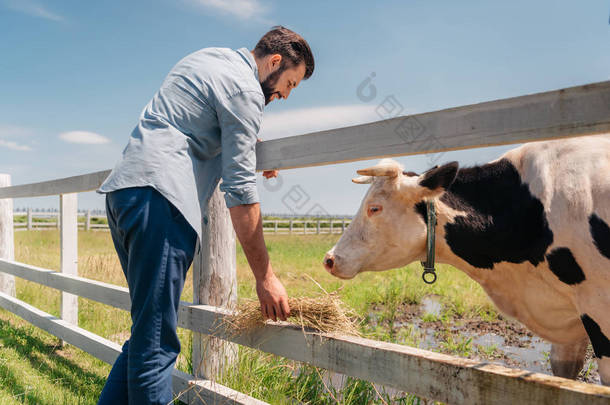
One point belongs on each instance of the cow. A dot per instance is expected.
(531, 227)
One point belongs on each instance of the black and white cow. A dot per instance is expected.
(530, 227)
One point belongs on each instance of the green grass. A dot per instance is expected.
(460, 345)
(490, 351)
(33, 370)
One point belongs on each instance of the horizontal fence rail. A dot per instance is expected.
(428, 374)
(46, 220)
(73, 184)
(574, 111)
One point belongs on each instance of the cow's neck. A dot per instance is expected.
(487, 217)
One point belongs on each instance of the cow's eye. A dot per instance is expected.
(374, 209)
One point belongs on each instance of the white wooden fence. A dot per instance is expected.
(576, 111)
(51, 220)
(305, 226)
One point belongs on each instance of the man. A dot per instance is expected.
(200, 126)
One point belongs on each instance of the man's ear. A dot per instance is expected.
(275, 61)
(439, 178)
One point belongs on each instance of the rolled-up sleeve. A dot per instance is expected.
(239, 118)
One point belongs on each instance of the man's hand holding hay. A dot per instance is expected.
(272, 297)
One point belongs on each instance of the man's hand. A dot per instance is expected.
(268, 174)
(273, 298)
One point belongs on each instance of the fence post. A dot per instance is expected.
(7, 240)
(331, 226)
(318, 227)
(88, 221)
(275, 226)
(305, 227)
(215, 283)
(290, 226)
(343, 226)
(29, 219)
(68, 230)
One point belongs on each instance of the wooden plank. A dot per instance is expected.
(574, 111)
(206, 392)
(73, 184)
(68, 234)
(83, 339)
(7, 238)
(215, 284)
(105, 293)
(44, 225)
(428, 374)
(191, 390)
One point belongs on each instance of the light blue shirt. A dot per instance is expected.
(200, 126)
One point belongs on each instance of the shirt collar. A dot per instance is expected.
(249, 58)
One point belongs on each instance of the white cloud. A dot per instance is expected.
(302, 121)
(13, 145)
(241, 9)
(10, 132)
(85, 137)
(33, 9)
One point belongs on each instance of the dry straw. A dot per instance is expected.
(324, 313)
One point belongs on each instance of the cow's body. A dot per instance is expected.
(530, 227)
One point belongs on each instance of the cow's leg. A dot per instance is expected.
(601, 344)
(567, 359)
(603, 366)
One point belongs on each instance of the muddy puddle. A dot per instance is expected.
(501, 341)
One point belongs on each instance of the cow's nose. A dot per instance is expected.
(329, 262)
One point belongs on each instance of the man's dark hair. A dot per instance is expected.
(293, 48)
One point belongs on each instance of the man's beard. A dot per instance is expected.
(268, 85)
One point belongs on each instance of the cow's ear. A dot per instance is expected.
(439, 178)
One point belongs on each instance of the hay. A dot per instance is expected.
(324, 313)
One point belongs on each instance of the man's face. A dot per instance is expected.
(280, 83)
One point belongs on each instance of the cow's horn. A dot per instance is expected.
(380, 170)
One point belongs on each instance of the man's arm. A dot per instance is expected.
(248, 226)
(239, 117)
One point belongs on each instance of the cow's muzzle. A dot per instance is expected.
(329, 262)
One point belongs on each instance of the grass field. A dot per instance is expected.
(33, 369)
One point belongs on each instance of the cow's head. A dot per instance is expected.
(387, 231)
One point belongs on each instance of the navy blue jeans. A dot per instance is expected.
(155, 245)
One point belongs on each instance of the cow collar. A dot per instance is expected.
(430, 245)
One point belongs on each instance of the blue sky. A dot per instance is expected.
(75, 75)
